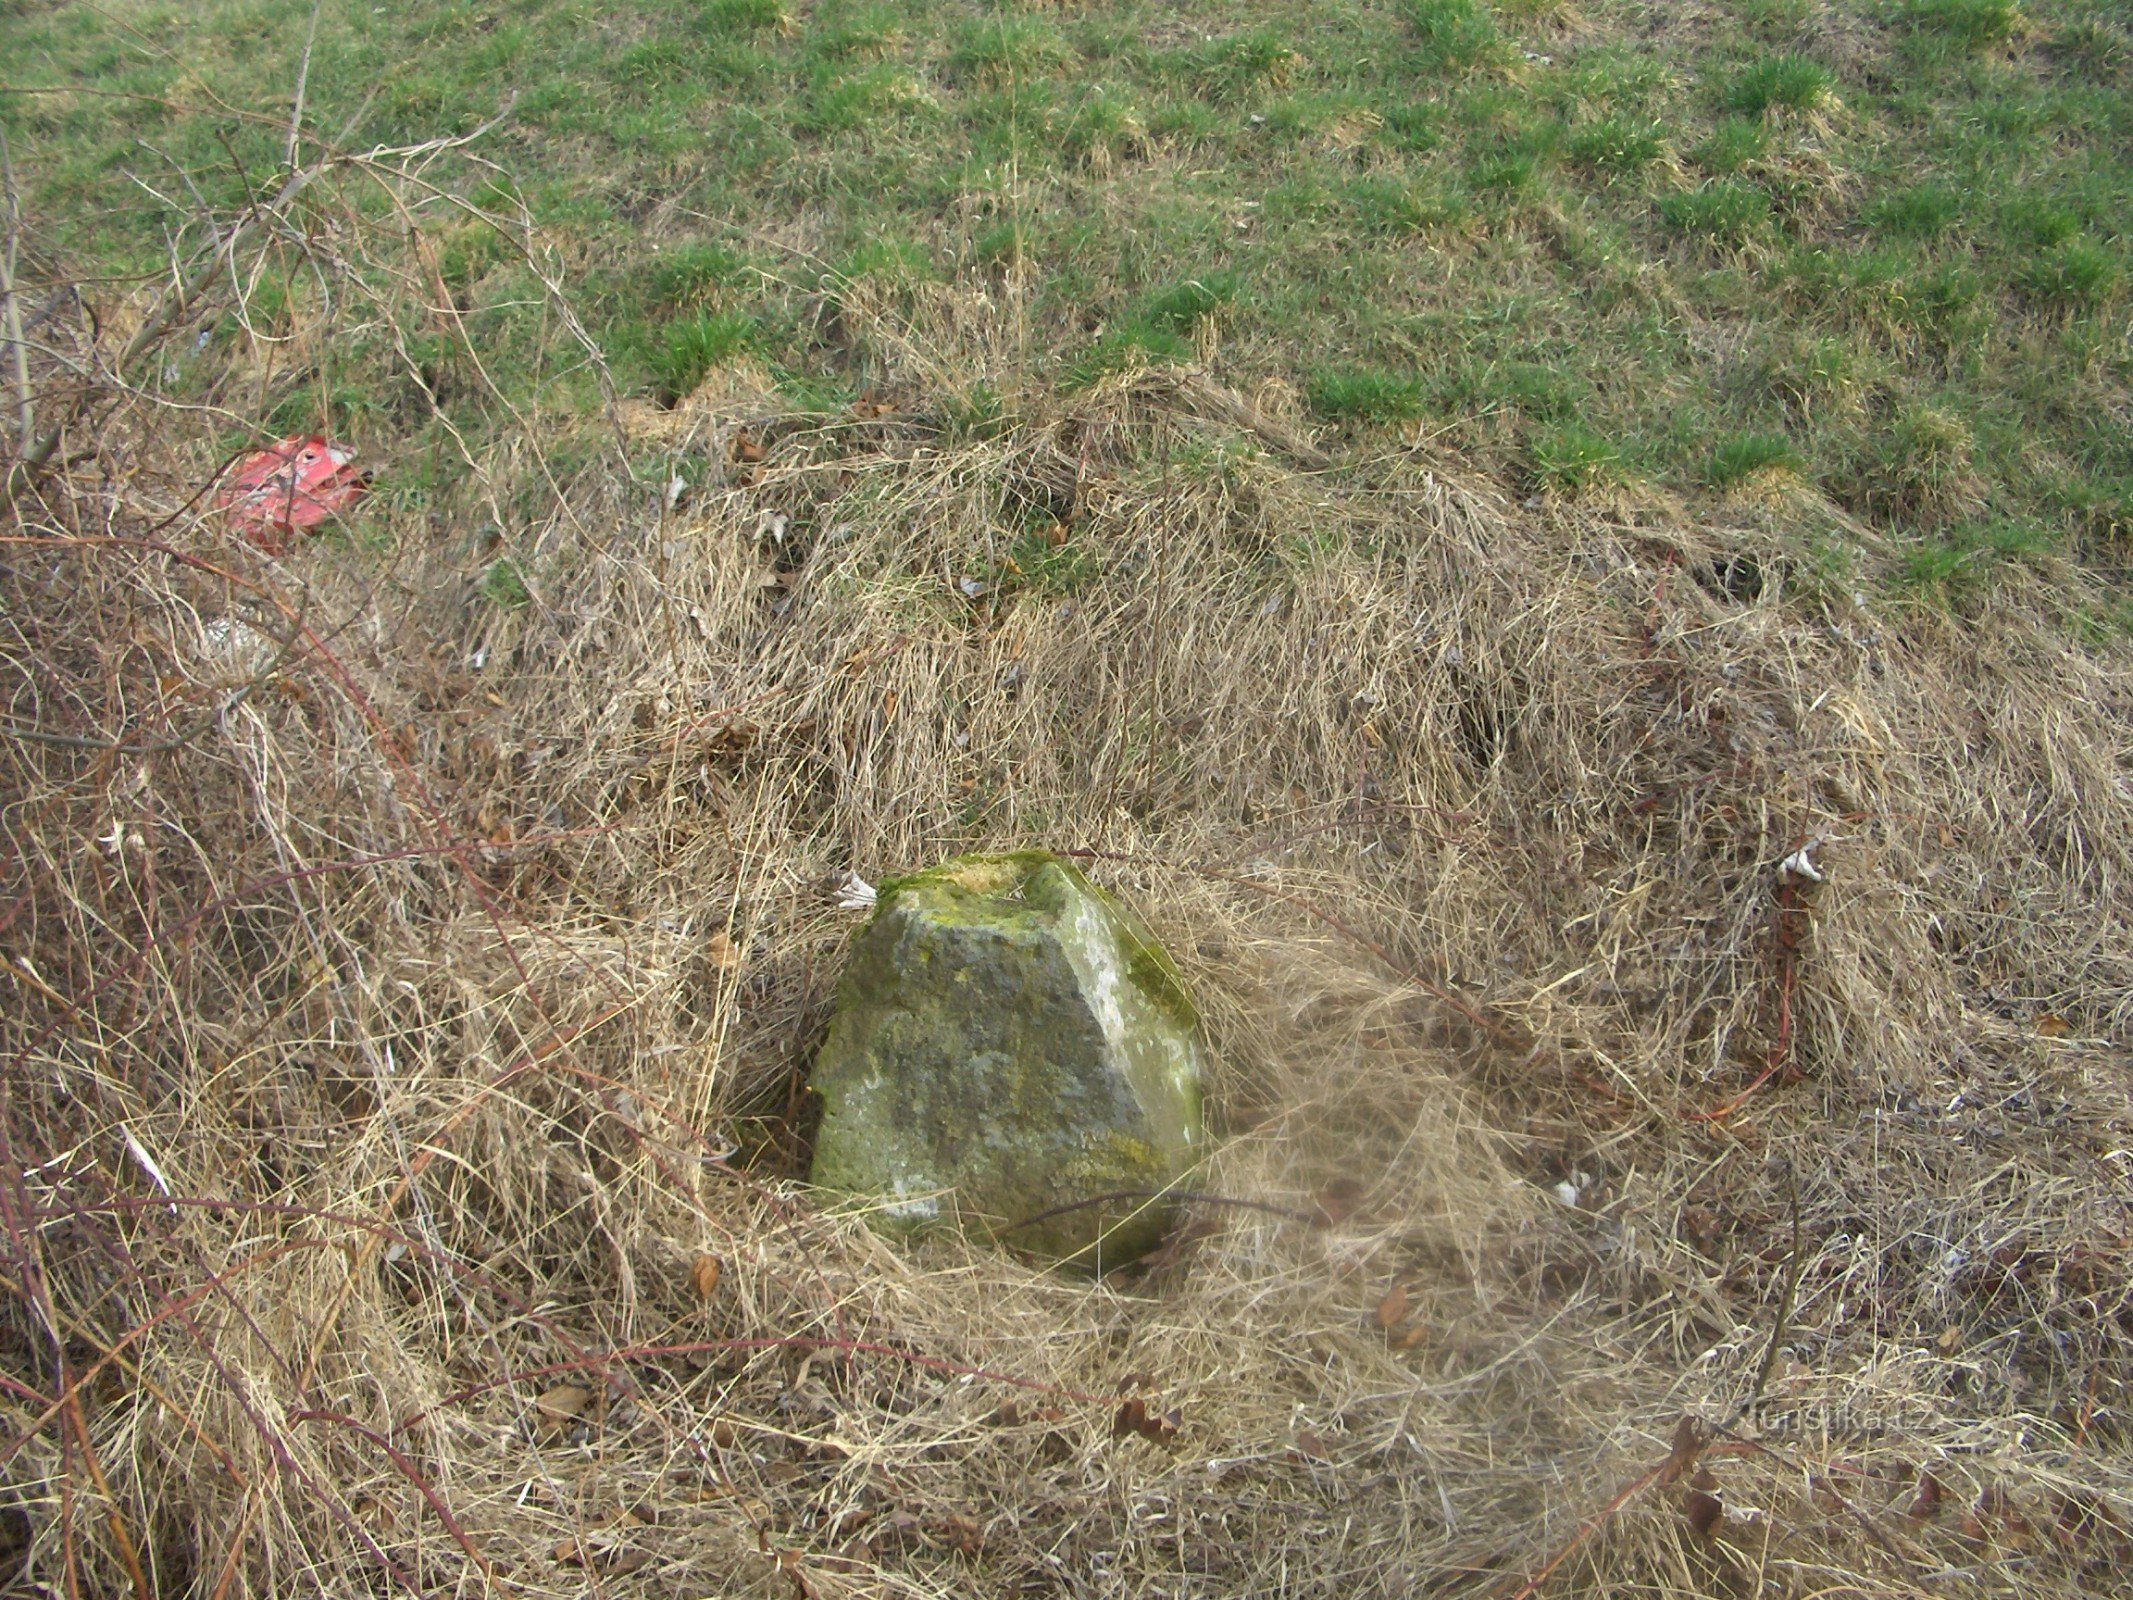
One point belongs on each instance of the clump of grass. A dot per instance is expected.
(1723, 211)
(1389, 206)
(1415, 126)
(1923, 468)
(1363, 394)
(2077, 273)
(691, 272)
(1005, 48)
(1248, 64)
(1570, 457)
(887, 260)
(1971, 24)
(1183, 306)
(1735, 143)
(697, 346)
(1508, 167)
(2101, 46)
(1751, 457)
(1787, 83)
(866, 98)
(1811, 377)
(1622, 146)
(2037, 221)
(1920, 212)
(1104, 129)
(1964, 565)
(746, 16)
(504, 585)
(1186, 121)
(1452, 36)
(871, 34)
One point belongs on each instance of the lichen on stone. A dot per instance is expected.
(1010, 1041)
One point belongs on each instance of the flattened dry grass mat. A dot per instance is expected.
(1668, 1022)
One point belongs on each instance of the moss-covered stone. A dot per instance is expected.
(1010, 1040)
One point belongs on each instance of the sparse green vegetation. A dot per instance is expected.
(1783, 83)
(1722, 210)
(1571, 457)
(1363, 395)
(694, 347)
(1738, 232)
(1751, 456)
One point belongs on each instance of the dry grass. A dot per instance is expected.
(405, 992)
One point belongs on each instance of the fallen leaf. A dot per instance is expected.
(1682, 1454)
(722, 952)
(1407, 1337)
(1925, 1505)
(2053, 1026)
(1949, 1338)
(1392, 1310)
(703, 1277)
(1701, 1504)
(1134, 1417)
(559, 1406)
(1312, 1445)
(745, 448)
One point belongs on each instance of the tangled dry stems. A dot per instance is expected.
(386, 1052)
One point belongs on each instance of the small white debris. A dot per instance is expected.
(971, 588)
(854, 893)
(1799, 867)
(235, 644)
(677, 486)
(147, 1164)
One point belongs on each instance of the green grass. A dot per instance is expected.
(1362, 395)
(693, 348)
(1750, 456)
(1782, 83)
(1571, 243)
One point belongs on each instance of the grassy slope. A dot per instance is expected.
(1878, 247)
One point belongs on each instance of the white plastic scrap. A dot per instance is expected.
(1799, 867)
(854, 893)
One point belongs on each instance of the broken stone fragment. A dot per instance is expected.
(1009, 1041)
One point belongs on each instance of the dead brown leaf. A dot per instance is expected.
(1682, 1454)
(1701, 1505)
(1156, 1427)
(721, 951)
(559, 1407)
(703, 1277)
(1392, 1310)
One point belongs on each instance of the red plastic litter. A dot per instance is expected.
(291, 487)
